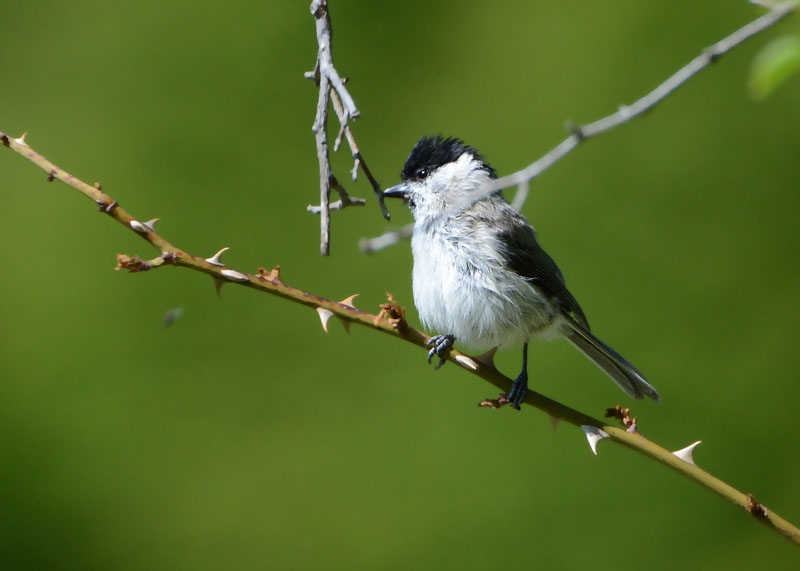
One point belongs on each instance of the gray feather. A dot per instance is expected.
(526, 257)
(615, 365)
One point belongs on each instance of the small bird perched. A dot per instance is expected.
(480, 276)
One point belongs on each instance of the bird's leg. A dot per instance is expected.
(441, 345)
(520, 386)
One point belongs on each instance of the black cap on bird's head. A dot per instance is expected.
(432, 152)
(429, 154)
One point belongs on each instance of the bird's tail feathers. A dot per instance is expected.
(615, 365)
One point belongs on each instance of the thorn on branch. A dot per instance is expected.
(467, 362)
(235, 276)
(51, 176)
(324, 317)
(593, 435)
(348, 301)
(138, 227)
(215, 260)
(326, 314)
(4, 139)
(487, 359)
(686, 454)
(98, 186)
(106, 207)
(218, 283)
(143, 227)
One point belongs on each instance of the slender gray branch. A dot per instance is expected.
(343, 202)
(389, 238)
(521, 196)
(358, 158)
(338, 205)
(625, 113)
(320, 132)
(324, 66)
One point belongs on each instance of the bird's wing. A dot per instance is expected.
(528, 259)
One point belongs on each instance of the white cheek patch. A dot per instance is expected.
(460, 182)
(460, 171)
(450, 188)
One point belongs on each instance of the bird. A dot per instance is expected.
(480, 276)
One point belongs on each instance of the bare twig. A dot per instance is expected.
(370, 245)
(344, 202)
(358, 158)
(320, 128)
(391, 320)
(625, 113)
(324, 66)
(331, 87)
(521, 196)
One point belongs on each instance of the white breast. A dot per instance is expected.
(462, 290)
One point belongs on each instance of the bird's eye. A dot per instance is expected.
(422, 174)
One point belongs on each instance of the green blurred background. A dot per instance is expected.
(244, 437)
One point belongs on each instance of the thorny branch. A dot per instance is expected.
(331, 87)
(391, 320)
(625, 113)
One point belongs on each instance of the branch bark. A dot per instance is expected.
(391, 320)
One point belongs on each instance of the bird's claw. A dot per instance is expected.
(441, 345)
(518, 391)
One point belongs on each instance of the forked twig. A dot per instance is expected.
(332, 88)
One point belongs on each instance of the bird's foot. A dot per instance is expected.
(441, 344)
(518, 391)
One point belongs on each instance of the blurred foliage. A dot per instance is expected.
(242, 436)
(774, 64)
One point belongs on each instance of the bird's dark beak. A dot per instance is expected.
(397, 191)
